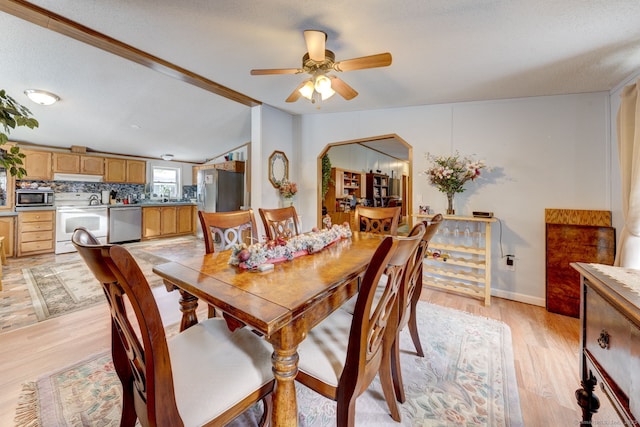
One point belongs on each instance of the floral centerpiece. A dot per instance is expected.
(449, 174)
(273, 251)
(287, 190)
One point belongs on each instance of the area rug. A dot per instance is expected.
(58, 289)
(467, 378)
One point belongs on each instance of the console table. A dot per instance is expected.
(610, 340)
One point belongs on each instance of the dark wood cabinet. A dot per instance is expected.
(610, 341)
(570, 238)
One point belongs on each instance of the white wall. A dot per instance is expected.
(548, 152)
(272, 130)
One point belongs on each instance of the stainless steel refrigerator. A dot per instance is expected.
(219, 191)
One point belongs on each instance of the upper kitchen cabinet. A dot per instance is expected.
(92, 165)
(38, 165)
(136, 171)
(74, 163)
(123, 170)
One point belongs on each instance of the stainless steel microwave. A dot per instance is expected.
(34, 198)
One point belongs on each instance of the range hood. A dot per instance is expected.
(76, 177)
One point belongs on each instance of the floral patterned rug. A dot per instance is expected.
(58, 289)
(466, 378)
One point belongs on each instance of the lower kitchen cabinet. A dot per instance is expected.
(8, 231)
(36, 232)
(167, 221)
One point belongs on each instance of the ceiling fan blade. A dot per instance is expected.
(277, 71)
(296, 93)
(315, 44)
(345, 91)
(372, 61)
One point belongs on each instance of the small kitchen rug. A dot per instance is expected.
(58, 289)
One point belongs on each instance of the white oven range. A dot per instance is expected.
(74, 210)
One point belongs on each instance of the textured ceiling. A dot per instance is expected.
(443, 51)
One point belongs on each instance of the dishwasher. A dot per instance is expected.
(125, 224)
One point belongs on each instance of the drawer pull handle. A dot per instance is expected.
(603, 340)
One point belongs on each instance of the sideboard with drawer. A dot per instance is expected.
(610, 340)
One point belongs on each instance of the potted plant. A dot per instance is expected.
(12, 115)
(326, 179)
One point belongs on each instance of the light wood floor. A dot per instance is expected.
(545, 346)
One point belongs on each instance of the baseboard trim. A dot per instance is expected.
(514, 296)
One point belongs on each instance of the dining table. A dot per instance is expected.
(282, 304)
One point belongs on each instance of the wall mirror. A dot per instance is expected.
(278, 168)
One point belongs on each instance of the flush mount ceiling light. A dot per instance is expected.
(42, 97)
(167, 157)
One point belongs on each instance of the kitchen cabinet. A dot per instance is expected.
(136, 171)
(185, 219)
(151, 220)
(8, 231)
(38, 165)
(231, 165)
(377, 189)
(459, 256)
(36, 232)
(92, 165)
(75, 163)
(123, 170)
(167, 221)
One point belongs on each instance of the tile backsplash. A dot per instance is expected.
(123, 190)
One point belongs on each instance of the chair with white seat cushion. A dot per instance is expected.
(206, 375)
(341, 356)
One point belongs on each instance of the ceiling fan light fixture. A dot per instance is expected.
(307, 90)
(322, 84)
(167, 157)
(42, 97)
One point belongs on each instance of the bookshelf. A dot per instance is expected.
(377, 189)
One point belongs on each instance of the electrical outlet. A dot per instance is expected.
(511, 263)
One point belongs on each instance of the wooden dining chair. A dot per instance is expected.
(282, 222)
(378, 220)
(223, 230)
(205, 375)
(341, 356)
(408, 299)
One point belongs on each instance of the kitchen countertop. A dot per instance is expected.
(8, 213)
(151, 204)
(34, 208)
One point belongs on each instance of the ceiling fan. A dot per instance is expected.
(318, 62)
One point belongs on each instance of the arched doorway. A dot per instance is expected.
(385, 155)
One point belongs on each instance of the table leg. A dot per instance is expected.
(188, 306)
(285, 368)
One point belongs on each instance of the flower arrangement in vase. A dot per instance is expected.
(449, 174)
(287, 190)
